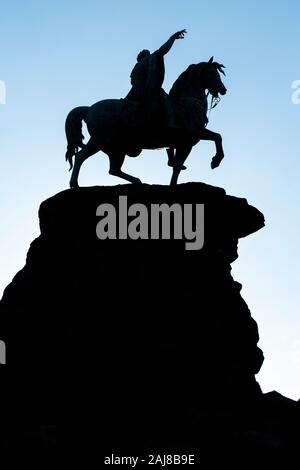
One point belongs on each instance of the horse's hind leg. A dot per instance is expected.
(180, 157)
(116, 160)
(90, 149)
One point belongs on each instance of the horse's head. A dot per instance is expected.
(212, 78)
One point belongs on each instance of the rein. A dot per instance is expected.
(213, 103)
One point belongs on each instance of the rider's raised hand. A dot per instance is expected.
(164, 49)
(180, 34)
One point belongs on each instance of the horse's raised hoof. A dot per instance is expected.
(216, 160)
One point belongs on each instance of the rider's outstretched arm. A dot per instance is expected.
(164, 49)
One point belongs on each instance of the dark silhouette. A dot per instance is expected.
(133, 340)
(147, 118)
(147, 79)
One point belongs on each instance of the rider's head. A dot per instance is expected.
(142, 54)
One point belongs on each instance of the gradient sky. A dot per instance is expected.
(56, 55)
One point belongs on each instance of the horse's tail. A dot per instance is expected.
(74, 134)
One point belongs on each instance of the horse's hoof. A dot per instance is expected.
(74, 186)
(137, 181)
(216, 160)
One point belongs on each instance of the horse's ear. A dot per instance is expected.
(211, 60)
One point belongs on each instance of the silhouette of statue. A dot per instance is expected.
(147, 78)
(117, 128)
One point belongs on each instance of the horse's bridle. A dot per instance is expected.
(213, 103)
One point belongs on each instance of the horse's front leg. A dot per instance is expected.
(171, 158)
(180, 156)
(206, 134)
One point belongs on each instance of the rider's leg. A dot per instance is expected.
(169, 113)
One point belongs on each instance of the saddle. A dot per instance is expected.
(187, 114)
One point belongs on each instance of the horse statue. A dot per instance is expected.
(117, 127)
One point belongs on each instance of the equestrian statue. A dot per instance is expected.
(148, 117)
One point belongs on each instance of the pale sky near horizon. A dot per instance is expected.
(56, 55)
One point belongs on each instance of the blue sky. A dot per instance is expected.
(60, 54)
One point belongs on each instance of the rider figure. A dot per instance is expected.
(147, 78)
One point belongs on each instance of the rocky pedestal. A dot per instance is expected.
(135, 340)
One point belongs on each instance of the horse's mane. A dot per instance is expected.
(185, 80)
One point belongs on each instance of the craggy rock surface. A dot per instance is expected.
(146, 345)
